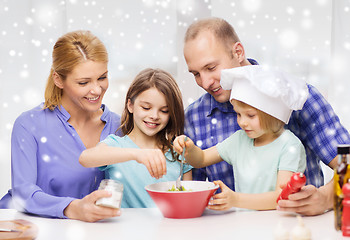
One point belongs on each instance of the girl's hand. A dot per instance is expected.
(179, 144)
(154, 160)
(224, 200)
(85, 209)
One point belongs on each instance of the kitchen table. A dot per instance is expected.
(143, 224)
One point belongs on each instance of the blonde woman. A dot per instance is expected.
(47, 178)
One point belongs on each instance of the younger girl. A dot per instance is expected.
(263, 154)
(152, 117)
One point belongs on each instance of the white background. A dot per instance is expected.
(309, 39)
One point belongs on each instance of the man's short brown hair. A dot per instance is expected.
(221, 29)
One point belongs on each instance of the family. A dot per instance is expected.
(252, 129)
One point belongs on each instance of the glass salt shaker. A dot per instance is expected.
(116, 189)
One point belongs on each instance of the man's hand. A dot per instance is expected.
(309, 201)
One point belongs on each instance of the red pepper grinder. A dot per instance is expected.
(345, 227)
(294, 185)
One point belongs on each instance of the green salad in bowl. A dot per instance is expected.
(174, 189)
(188, 203)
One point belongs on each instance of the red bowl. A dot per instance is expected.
(182, 204)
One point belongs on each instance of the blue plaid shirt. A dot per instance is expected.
(208, 122)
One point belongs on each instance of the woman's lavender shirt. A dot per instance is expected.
(45, 149)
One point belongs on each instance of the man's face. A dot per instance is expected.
(206, 57)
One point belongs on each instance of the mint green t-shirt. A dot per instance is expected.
(255, 168)
(135, 176)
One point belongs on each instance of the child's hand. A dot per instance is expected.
(179, 144)
(224, 200)
(154, 160)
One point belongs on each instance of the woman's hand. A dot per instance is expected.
(154, 160)
(85, 209)
(224, 200)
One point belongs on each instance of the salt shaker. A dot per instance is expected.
(116, 189)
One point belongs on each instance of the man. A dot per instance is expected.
(212, 45)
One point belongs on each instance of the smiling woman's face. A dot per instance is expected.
(85, 86)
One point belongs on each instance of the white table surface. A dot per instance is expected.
(143, 224)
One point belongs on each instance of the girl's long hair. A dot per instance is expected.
(166, 84)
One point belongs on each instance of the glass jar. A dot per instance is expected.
(116, 189)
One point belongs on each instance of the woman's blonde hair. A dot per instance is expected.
(70, 50)
(267, 122)
(166, 84)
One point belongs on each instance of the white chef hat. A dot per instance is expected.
(273, 92)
